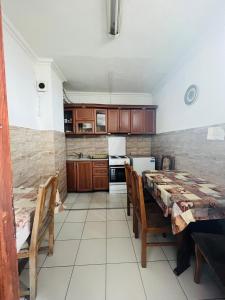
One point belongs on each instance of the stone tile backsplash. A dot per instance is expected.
(135, 145)
(193, 152)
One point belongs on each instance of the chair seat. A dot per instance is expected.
(212, 247)
(155, 217)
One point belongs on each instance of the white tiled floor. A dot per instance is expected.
(96, 257)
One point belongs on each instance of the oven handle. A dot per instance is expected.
(116, 167)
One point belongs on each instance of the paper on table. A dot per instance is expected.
(216, 133)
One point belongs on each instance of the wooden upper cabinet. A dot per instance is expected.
(124, 121)
(100, 121)
(150, 121)
(84, 176)
(84, 114)
(113, 120)
(137, 121)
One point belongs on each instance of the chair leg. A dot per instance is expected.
(33, 275)
(51, 239)
(143, 249)
(135, 226)
(198, 264)
(128, 205)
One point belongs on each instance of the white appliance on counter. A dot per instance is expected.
(117, 160)
(141, 164)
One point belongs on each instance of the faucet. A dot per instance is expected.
(79, 154)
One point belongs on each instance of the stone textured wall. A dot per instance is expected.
(87, 145)
(136, 145)
(193, 152)
(139, 145)
(36, 155)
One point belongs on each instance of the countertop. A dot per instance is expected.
(85, 159)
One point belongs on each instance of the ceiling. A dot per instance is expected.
(155, 34)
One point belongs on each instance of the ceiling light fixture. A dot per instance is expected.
(114, 17)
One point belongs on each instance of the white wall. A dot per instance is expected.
(114, 98)
(20, 83)
(27, 107)
(204, 67)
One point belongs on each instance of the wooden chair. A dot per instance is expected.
(128, 172)
(167, 162)
(210, 247)
(150, 218)
(43, 223)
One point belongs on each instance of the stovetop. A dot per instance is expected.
(118, 160)
(118, 156)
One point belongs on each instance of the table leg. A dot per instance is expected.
(184, 251)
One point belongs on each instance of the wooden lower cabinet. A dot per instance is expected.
(87, 176)
(100, 183)
(84, 176)
(71, 176)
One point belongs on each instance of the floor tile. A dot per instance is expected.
(97, 204)
(70, 231)
(53, 283)
(116, 215)
(117, 229)
(130, 225)
(81, 205)
(40, 260)
(124, 282)
(64, 254)
(57, 227)
(96, 215)
(170, 252)
(76, 216)
(87, 283)
(99, 195)
(120, 250)
(160, 282)
(153, 253)
(208, 287)
(84, 196)
(114, 204)
(71, 198)
(92, 252)
(61, 216)
(94, 230)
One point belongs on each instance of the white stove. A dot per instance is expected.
(117, 160)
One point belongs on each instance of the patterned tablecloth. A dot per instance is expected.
(186, 198)
(24, 200)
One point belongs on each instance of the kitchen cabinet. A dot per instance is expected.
(84, 114)
(100, 121)
(100, 175)
(113, 120)
(138, 121)
(85, 127)
(150, 121)
(84, 176)
(96, 119)
(124, 121)
(71, 176)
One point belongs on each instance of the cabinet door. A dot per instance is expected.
(113, 120)
(137, 121)
(84, 176)
(71, 176)
(150, 119)
(100, 121)
(100, 183)
(69, 121)
(84, 114)
(125, 120)
(85, 127)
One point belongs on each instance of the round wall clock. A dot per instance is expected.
(191, 94)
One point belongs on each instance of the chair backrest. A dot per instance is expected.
(167, 162)
(138, 198)
(44, 212)
(128, 173)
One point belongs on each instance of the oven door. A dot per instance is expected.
(117, 174)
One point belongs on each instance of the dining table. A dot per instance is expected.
(189, 200)
(24, 202)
